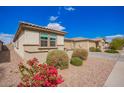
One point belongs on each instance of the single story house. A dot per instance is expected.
(1, 45)
(84, 43)
(100, 43)
(32, 40)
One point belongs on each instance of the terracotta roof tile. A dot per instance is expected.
(78, 39)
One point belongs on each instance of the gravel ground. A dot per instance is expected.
(9, 75)
(93, 73)
(109, 56)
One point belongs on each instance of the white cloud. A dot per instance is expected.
(109, 38)
(55, 26)
(53, 18)
(6, 38)
(69, 8)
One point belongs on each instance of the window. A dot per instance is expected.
(44, 39)
(48, 40)
(52, 40)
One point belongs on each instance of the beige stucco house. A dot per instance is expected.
(100, 43)
(84, 43)
(32, 40)
(1, 45)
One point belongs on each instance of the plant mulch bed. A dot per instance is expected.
(93, 73)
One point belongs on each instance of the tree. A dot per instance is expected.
(117, 43)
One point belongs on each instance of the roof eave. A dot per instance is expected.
(23, 25)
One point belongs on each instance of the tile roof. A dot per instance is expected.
(78, 39)
(26, 25)
(31, 24)
(98, 39)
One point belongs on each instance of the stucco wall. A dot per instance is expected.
(31, 37)
(41, 56)
(39, 52)
(36, 52)
(20, 48)
(0, 46)
(101, 45)
(92, 44)
(69, 53)
(32, 48)
(69, 44)
(60, 47)
(79, 44)
(60, 40)
(82, 44)
(26, 37)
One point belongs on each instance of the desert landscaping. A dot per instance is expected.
(94, 71)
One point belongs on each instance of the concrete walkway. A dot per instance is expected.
(116, 78)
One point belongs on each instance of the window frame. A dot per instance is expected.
(52, 36)
(48, 40)
(43, 39)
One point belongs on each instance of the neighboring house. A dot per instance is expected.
(107, 45)
(1, 45)
(35, 41)
(100, 43)
(84, 43)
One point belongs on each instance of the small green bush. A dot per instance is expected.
(111, 51)
(58, 58)
(117, 43)
(93, 49)
(81, 53)
(76, 61)
(98, 50)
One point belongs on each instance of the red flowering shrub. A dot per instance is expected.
(38, 75)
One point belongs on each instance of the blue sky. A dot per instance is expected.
(89, 22)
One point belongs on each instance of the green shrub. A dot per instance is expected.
(111, 51)
(58, 58)
(76, 61)
(81, 53)
(98, 50)
(117, 43)
(93, 49)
